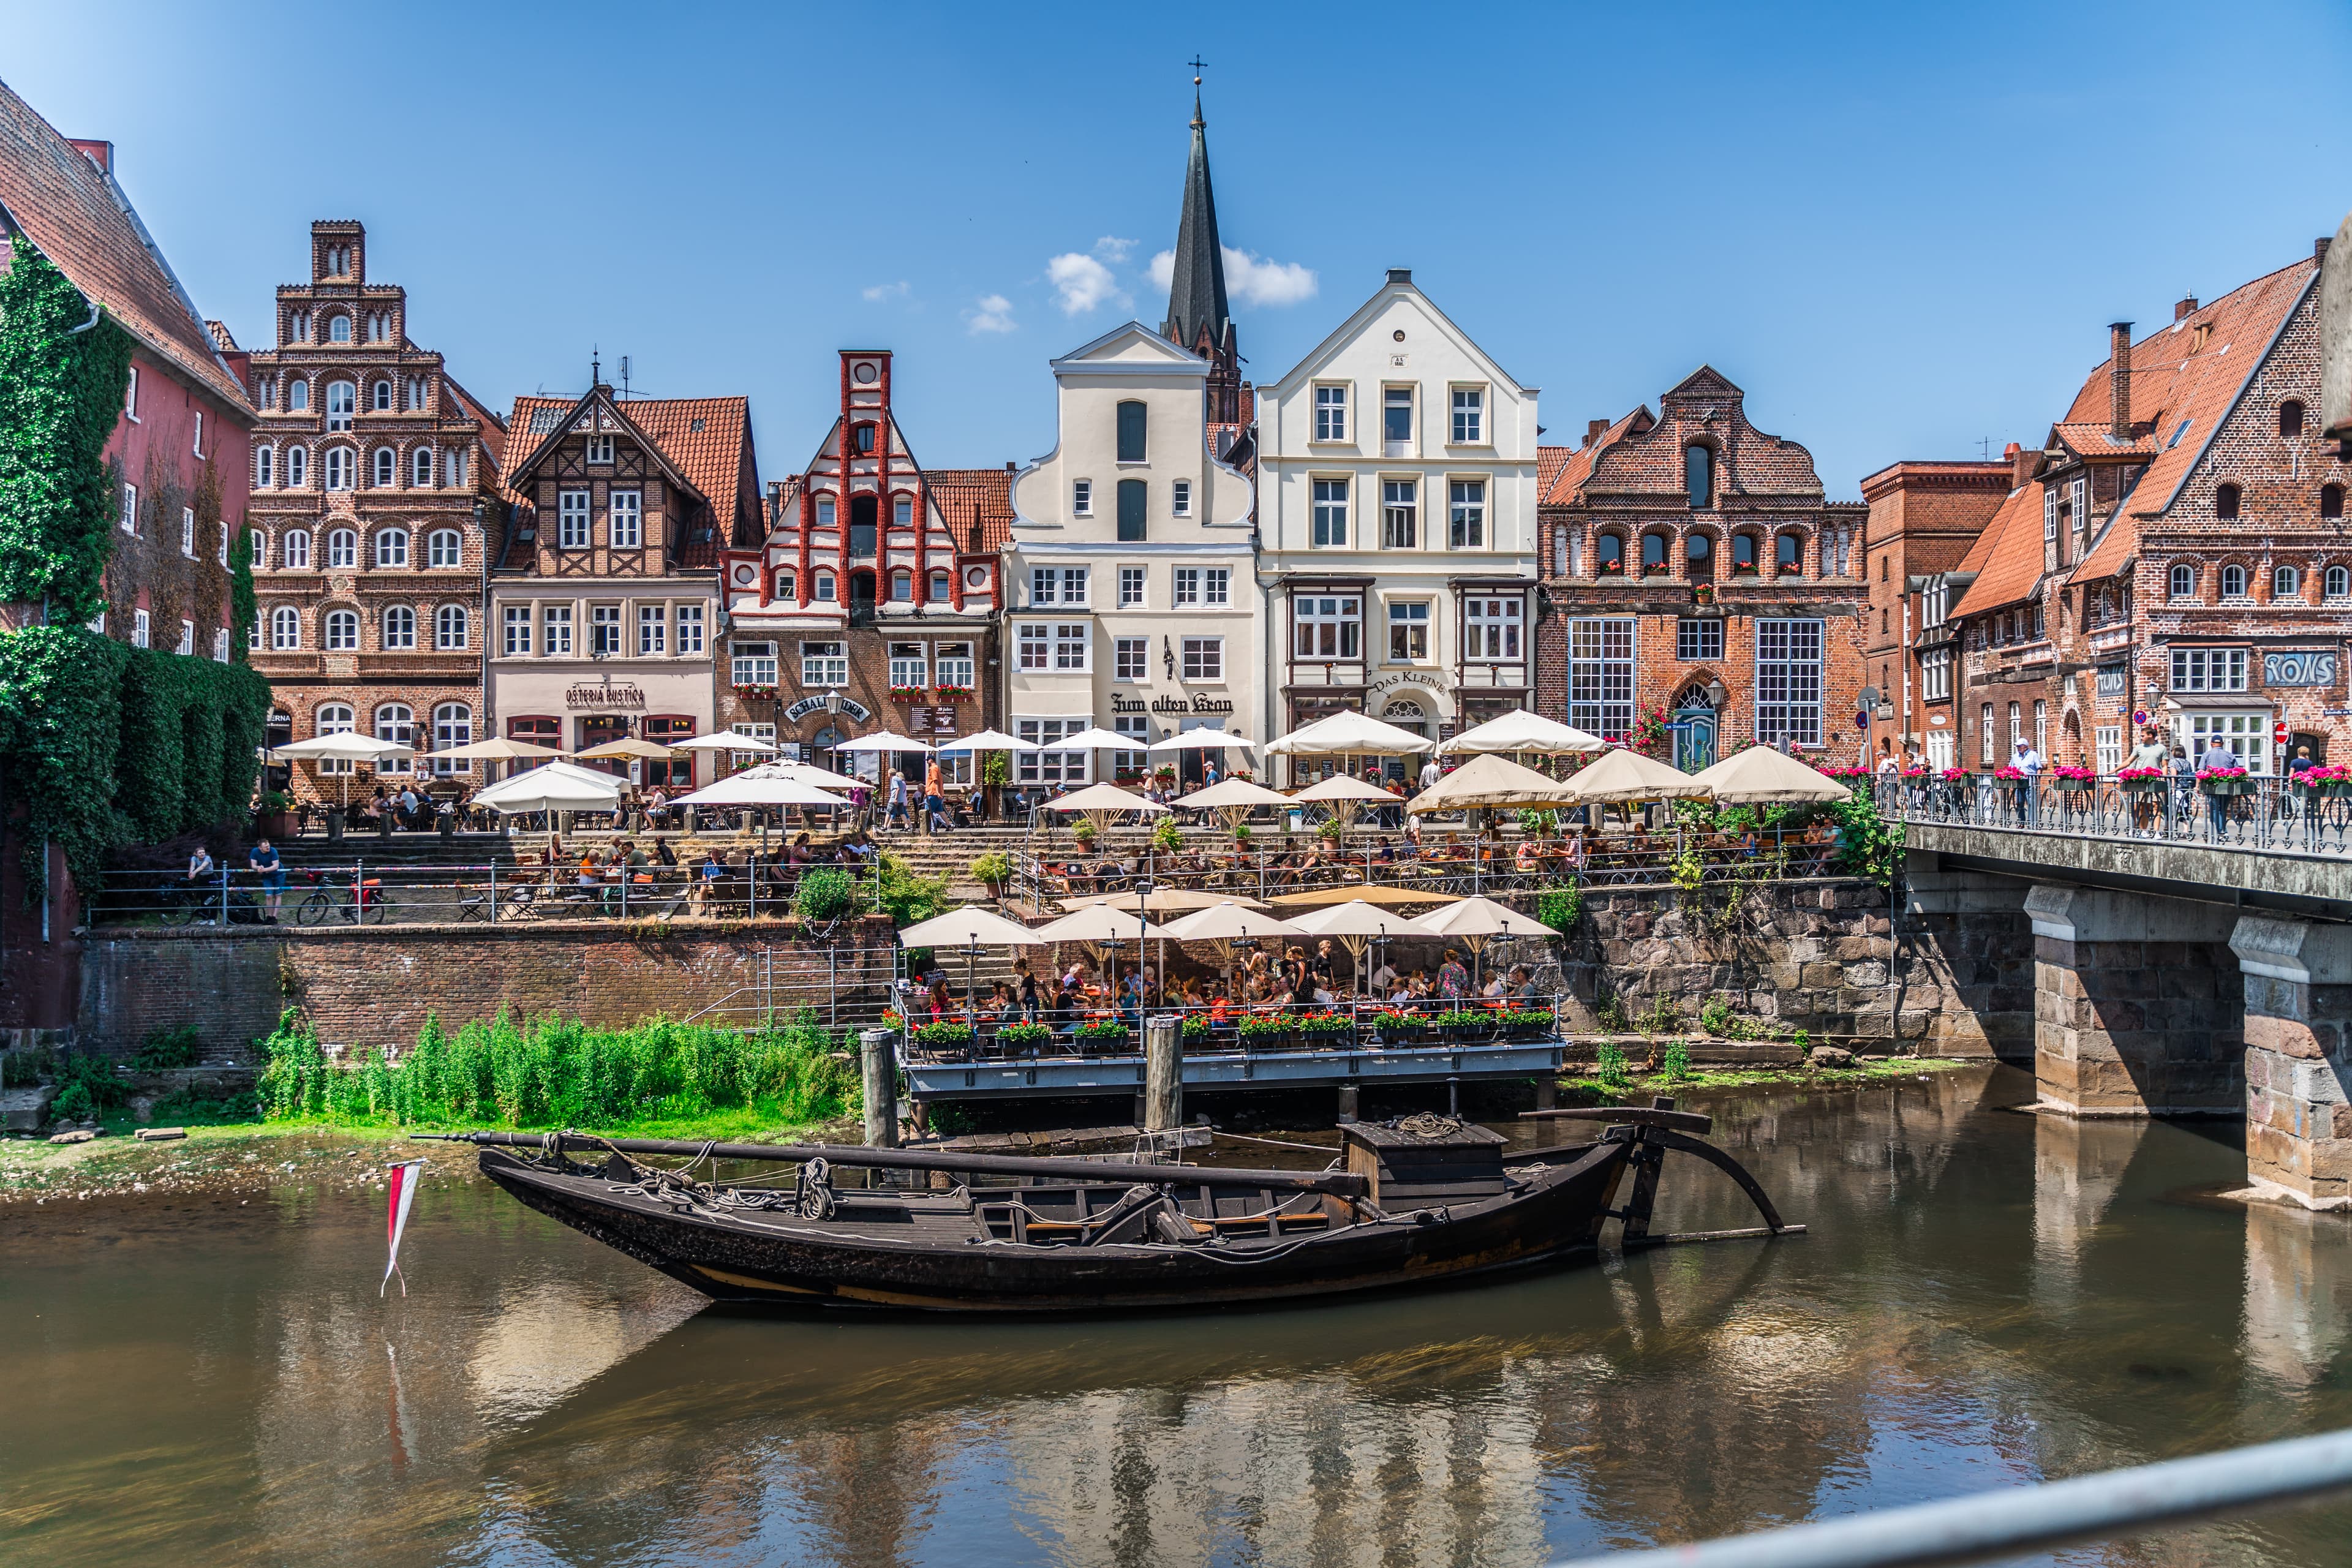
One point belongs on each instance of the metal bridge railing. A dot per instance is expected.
(2270, 816)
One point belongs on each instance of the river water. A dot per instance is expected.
(1985, 1298)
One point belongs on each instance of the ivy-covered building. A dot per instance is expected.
(127, 714)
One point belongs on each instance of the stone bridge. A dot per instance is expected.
(2201, 972)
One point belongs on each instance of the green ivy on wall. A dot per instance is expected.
(60, 392)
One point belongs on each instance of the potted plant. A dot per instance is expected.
(2139, 781)
(909, 694)
(1326, 1029)
(1085, 833)
(1242, 835)
(1025, 1037)
(1166, 837)
(992, 870)
(942, 1035)
(1330, 828)
(1104, 1032)
(1463, 1026)
(2224, 782)
(273, 817)
(1703, 593)
(1271, 1034)
(1392, 1027)
(2073, 779)
(952, 693)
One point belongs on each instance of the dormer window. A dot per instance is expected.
(600, 449)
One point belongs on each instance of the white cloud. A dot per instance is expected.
(1113, 249)
(1083, 283)
(1250, 278)
(881, 291)
(1263, 282)
(994, 313)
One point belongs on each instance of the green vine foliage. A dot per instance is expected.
(1868, 845)
(60, 391)
(60, 727)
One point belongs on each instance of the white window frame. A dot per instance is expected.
(1466, 514)
(2107, 747)
(343, 549)
(2210, 669)
(1698, 639)
(572, 526)
(453, 629)
(1058, 584)
(396, 628)
(298, 467)
(1468, 425)
(653, 630)
(220, 644)
(187, 638)
(444, 548)
(2245, 731)
(757, 731)
(1130, 660)
(1081, 498)
(1343, 613)
(1329, 499)
(1131, 580)
(1202, 659)
(751, 664)
(285, 629)
(130, 510)
(952, 667)
(1600, 674)
(265, 468)
(1400, 513)
(131, 397)
(342, 404)
(555, 630)
(395, 722)
(1393, 445)
(383, 468)
(188, 531)
(1047, 765)
(518, 619)
(600, 451)
(824, 663)
(1493, 628)
(1409, 618)
(624, 513)
(141, 625)
(337, 475)
(391, 547)
(1790, 666)
(2335, 584)
(1331, 412)
(1217, 587)
(1180, 498)
(453, 726)
(420, 469)
(909, 665)
(2172, 586)
(340, 630)
(1188, 587)
(605, 631)
(688, 630)
(1073, 646)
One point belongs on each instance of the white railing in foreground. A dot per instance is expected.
(2116, 1505)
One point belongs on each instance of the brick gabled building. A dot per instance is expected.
(604, 595)
(2175, 548)
(868, 600)
(1924, 516)
(1692, 565)
(372, 473)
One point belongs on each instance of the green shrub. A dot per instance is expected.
(1609, 1065)
(167, 1049)
(1677, 1066)
(1715, 1017)
(993, 868)
(943, 1033)
(74, 1103)
(1105, 1029)
(1165, 837)
(1242, 834)
(905, 897)
(1021, 1036)
(1560, 908)
(825, 896)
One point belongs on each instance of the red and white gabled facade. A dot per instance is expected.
(868, 579)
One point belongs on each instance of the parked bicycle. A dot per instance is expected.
(206, 903)
(333, 897)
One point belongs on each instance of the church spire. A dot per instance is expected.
(1198, 316)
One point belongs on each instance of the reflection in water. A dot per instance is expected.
(1985, 1298)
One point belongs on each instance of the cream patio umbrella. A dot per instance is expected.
(499, 750)
(1232, 799)
(1096, 739)
(1344, 796)
(743, 789)
(1162, 900)
(343, 746)
(1522, 731)
(970, 928)
(1472, 921)
(1355, 924)
(881, 740)
(1623, 776)
(1368, 892)
(1201, 739)
(1762, 775)
(1099, 803)
(558, 786)
(1489, 780)
(988, 741)
(804, 773)
(626, 746)
(1096, 927)
(1224, 923)
(1348, 735)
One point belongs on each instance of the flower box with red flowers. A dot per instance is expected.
(2007, 775)
(2072, 778)
(910, 694)
(2225, 781)
(952, 693)
(2139, 781)
(765, 693)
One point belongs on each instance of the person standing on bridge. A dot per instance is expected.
(2217, 807)
(2028, 764)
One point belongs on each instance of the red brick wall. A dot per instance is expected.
(376, 985)
(157, 453)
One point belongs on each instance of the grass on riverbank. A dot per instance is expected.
(1866, 1070)
(657, 1078)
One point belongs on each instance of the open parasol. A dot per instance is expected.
(1344, 796)
(1224, 923)
(970, 928)
(1623, 776)
(1472, 921)
(1762, 775)
(1354, 925)
(1233, 799)
(1100, 802)
(1522, 731)
(343, 746)
(1491, 781)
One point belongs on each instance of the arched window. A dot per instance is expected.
(341, 396)
(417, 386)
(1654, 553)
(453, 726)
(2331, 500)
(399, 627)
(2290, 417)
(1131, 427)
(338, 468)
(446, 547)
(265, 467)
(285, 629)
(395, 722)
(1609, 553)
(294, 549)
(338, 329)
(391, 547)
(342, 630)
(1698, 475)
(386, 465)
(343, 549)
(1698, 553)
(297, 397)
(380, 397)
(420, 468)
(2286, 583)
(2338, 583)
(1743, 552)
(1789, 554)
(332, 719)
(2225, 501)
(257, 549)
(2183, 583)
(450, 626)
(786, 587)
(902, 587)
(298, 466)
(825, 588)
(943, 587)
(2233, 581)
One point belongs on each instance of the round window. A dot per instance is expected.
(975, 577)
(744, 574)
(1398, 335)
(864, 372)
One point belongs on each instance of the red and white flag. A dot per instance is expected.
(404, 1177)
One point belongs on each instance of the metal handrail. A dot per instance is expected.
(2266, 814)
(1993, 1525)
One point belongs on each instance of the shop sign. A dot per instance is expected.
(610, 694)
(2300, 667)
(2111, 679)
(808, 705)
(1178, 705)
(932, 721)
(1434, 680)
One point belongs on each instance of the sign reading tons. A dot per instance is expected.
(2300, 667)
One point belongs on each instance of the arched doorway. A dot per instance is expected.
(1409, 714)
(1697, 728)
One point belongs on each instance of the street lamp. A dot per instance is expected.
(1717, 694)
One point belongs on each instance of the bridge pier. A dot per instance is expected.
(2135, 1008)
(2298, 1029)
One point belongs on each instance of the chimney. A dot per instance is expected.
(2020, 465)
(1593, 429)
(99, 153)
(2185, 309)
(1400, 275)
(2319, 251)
(2119, 380)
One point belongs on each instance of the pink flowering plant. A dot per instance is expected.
(2007, 775)
(2204, 773)
(1953, 775)
(2135, 775)
(2083, 775)
(2324, 775)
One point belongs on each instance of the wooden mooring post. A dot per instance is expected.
(878, 1051)
(1163, 1073)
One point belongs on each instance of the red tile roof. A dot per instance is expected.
(1578, 468)
(702, 437)
(2097, 442)
(974, 497)
(79, 218)
(2007, 556)
(1549, 461)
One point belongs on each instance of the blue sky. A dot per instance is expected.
(1901, 228)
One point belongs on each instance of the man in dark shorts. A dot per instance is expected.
(264, 862)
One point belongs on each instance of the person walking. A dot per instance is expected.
(2217, 807)
(935, 799)
(264, 862)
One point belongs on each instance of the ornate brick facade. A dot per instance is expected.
(1691, 565)
(372, 473)
(1923, 516)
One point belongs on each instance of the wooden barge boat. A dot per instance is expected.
(1419, 1202)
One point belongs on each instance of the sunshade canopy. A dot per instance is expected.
(1624, 776)
(1228, 920)
(1342, 786)
(1522, 731)
(988, 741)
(1094, 740)
(347, 746)
(1201, 739)
(1105, 798)
(745, 790)
(723, 742)
(1760, 776)
(971, 925)
(1369, 893)
(626, 746)
(1346, 734)
(1229, 795)
(501, 750)
(884, 741)
(1354, 918)
(1162, 900)
(807, 773)
(558, 786)
(1481, 918)
(1097, 922)
(1491, 780)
